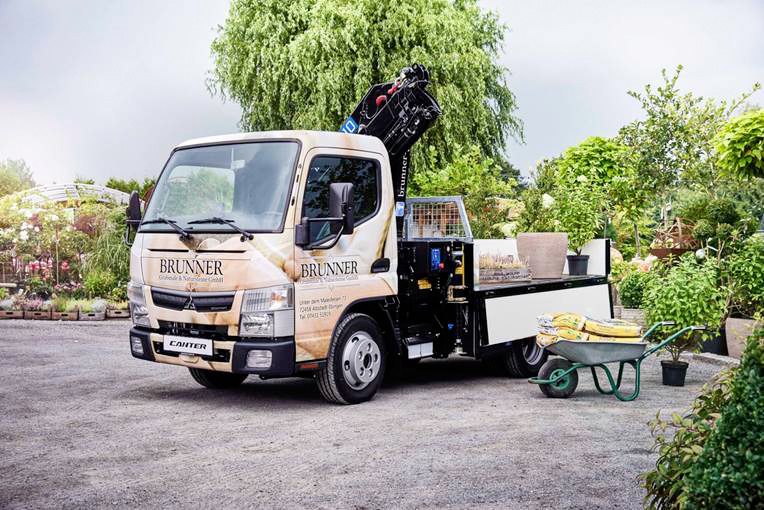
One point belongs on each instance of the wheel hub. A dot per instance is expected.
(361, 360)
(562, 382)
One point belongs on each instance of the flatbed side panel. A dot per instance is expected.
(514, 317)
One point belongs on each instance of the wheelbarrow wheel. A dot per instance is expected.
(564, 387)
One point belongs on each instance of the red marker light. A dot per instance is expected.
(380, 100)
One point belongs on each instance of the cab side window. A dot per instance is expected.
(363, 174)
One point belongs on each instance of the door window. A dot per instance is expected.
(363, 174)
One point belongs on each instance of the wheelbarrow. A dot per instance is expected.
(558, 377)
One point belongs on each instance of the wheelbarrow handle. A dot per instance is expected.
(655, 326)
(671, 338)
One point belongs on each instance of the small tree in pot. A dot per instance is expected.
(579, 211)
(688, 294)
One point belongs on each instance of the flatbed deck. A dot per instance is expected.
(539, 285)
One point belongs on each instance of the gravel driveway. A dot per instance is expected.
(85, 425)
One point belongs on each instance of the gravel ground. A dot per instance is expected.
(85, 425)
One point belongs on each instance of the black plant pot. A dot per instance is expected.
(578, 264)
(674, 372)
(717, 345)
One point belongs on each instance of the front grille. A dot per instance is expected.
(199, 301)
(194, 330)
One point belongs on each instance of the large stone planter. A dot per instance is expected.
(40, 315)
(544, 252)
(65, 316)
(11, 314)
(92, 316)
(738, 331)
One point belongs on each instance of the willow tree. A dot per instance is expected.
(305, 64)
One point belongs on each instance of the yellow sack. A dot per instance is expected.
(613, 327)
(568, 320)
(542, 340)
(572, 334)
(626, 340)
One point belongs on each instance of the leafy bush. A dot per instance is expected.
(60, 304)
(688, 294)
(740, 144)
(676, 452)
(722, 210)
(729, 473)
(692, 205)
(99, 283)
(38, 287)
(3, 293)
(632, 289)
(746, 275)
(578, 209)
(83, 305)
(703, 230)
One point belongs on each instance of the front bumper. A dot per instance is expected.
(230, 356)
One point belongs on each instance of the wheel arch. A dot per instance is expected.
(377, 309)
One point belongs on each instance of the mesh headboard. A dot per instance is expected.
(436, 218)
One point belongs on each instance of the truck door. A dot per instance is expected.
(361, 265)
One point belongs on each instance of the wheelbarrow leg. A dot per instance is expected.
(613, 387)
(636, 366)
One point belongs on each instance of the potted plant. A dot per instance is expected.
(117, 310)
(10, 307)
(92, 310)
(579, 211)
(631, 292)
(36, 308)
(745, 272)
(688, 294)
(62, 310)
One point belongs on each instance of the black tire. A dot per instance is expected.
(216, 380)
(336, 379)
(523, 359)
(565, 386)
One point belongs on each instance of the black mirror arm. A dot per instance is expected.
(304, 228)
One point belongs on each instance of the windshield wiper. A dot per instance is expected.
(184, 236)
(223, 221)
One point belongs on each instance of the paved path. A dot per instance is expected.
(85, 425)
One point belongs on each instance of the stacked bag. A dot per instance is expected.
(554, 327)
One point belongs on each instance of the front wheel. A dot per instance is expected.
(523, 359)
(216, 380)
(356, 362)
(563, 387)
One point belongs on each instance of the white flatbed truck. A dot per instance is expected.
(297, 253)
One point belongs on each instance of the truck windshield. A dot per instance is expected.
(247, 183)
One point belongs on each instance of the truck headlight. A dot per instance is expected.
(268, 312)
(138, 310)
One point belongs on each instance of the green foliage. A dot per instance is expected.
(729, 473)
(109, 253)
(692, 205)
(578, 209)
(746, 276)
(15, 175)
(722, 210)
(679, 449)
(61, 304)
(478, 180)
(306, 64)
(740, 143)
(39, 287)
(131, 185)
(3, 293)
(690, 295)
(99, 283)
(83, 180)
(632, 288)
(674, 142)
(703, 230)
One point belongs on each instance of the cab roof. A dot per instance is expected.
(307, 138)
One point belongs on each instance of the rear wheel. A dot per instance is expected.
(356, 362)
(523, 359)
(216, 380)
(563, 387)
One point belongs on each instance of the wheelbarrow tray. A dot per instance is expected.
(595, 353)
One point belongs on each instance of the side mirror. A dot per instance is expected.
(133, 211)
(341, 204)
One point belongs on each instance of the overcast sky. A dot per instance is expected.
(101, 89)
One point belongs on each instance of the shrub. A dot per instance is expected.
(676, 452)
(723, 210)
(579, 210)
(692, 205)
(746, 275)
(99, 283)
(60, 304)
(740, 144)
(688, 294)
(729, 473)
(38, 287)
(632, 289)
(3, 293)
